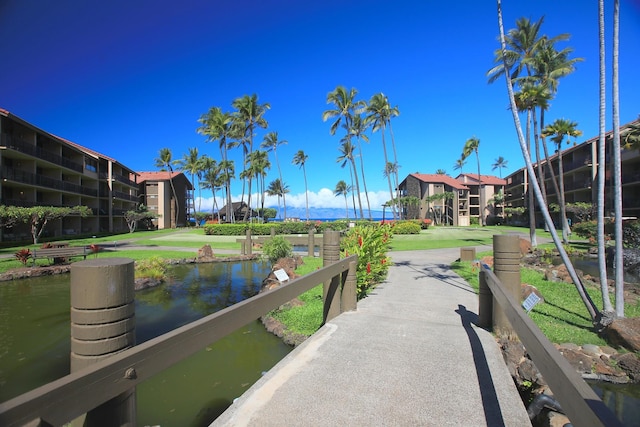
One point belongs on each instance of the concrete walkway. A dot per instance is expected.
(409, 356)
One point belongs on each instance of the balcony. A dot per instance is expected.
(31, 150)
(29, 178)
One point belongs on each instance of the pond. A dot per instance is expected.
(35, 340)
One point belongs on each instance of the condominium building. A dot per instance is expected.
(156, 193)
(580, 176)
(41, 169)
(460, 200)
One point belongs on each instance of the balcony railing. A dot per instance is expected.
(24, 177)
(21, 146)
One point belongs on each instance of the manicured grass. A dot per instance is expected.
(562, 317)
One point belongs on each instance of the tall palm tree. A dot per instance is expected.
(347, 157)
(277, 188)
(586, 299)
(190, 163)
(441, 172)
(342, 189)
(249, 115)
(558, 130)
(259, 164)
(500, 163)
(216, 126)
(300, 159)
(271, 143)
(210, 177)
(164, 163)
(358, 129)
(345, 108)
(460, 164)
(471, 146)
(378, 116)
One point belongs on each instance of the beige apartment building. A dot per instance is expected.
(457, 210)
(41, 169)
(157, 195)
(580, 167)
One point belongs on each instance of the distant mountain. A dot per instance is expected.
(325, 213)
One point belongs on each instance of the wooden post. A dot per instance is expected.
(331, 288)
(103, 324)
(349, 296)
(485, 302)
(506, 266)
(273, 232)
(247, 243)
(311, 245)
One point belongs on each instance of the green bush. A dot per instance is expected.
(631, 234)
(586, 229)
(371, 243)
(406, 227)
(225, 229)
(277, 247)
(151, 268)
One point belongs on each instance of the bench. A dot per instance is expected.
(60, 254)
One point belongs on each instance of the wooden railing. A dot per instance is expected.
(579, 402)
(69, 397)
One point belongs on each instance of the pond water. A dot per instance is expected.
(35, 335)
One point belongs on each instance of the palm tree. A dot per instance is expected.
(271, 143)
(190, 163)
(358, 129)
(259, 164)
(300, 159)
(586, 299)
(471, 146)
(346, 107)
(631, 137)
(500, 163)
(378, 116)
(164, 163)
(460, 164)
(249, 115)
(216, 126)
(441, 172)
(277, 188)
(557, 131)
(342, 189)
(211, 178)
(346, 150)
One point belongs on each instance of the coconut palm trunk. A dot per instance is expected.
(586, 299)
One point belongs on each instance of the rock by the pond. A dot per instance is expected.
(624, 333)
(205, 253)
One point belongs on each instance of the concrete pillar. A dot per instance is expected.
(103, 324)
(349, 296)
(485, 302)
(273, 231)
(506, 266)
(247, 243)
(331, 288)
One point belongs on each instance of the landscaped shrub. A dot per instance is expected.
(406, 227)
(370, 243)
(425, 223)
(586, 230)
(631, 234)
(277, 247)
(151, 268)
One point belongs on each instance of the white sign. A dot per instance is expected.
(530, 302)
(281, 275)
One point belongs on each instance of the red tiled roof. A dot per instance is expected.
(157, 176)
(486, 179)
(439, 178)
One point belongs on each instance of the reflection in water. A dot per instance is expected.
(34, 340)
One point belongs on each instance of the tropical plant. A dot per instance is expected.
(379, 114)
(347, 150)
(164, 162)
(342, 189)
(300, 159)
(151, 268)
(271, 143)
(460, 164)
(23, 255)
(358, 129)
(132, 217)
(499, 163)
(441, 172)
(277, 247)
(558, 130)
(345, 108)
(258, 165)
(249, 114)
(471, 146)
(588, 302)
(277, 188)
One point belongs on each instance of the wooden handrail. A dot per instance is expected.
(73, 395)
(580, 403)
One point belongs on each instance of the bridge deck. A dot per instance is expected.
(410, 355)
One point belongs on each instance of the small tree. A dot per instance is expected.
(132, 217)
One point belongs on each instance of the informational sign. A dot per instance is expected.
(281, 275)
(530, 302)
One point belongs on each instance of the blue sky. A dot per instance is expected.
(128, 78)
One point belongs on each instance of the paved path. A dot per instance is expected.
(409, 356)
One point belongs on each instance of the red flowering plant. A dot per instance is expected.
(94, 249)
(23, 256)
(371, 244)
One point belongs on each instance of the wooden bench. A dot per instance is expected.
(60, 254)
